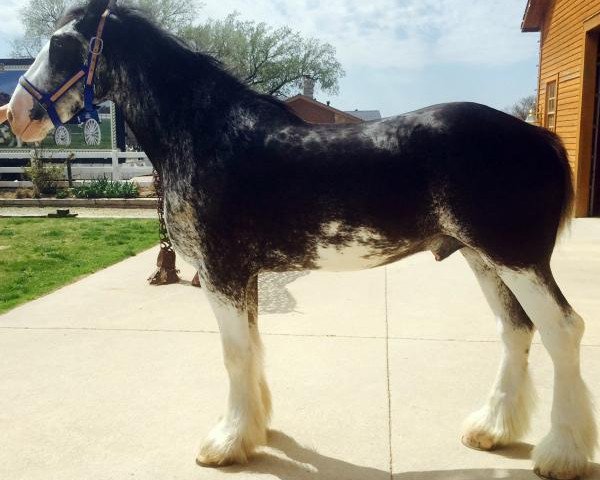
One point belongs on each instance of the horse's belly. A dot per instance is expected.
(340, 248)
(350, 257)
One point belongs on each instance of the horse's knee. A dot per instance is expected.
(234, 357)
(575, 325)
(562, 337)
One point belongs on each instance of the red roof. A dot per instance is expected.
(303, 99)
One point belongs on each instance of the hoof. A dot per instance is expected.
(556, 476)
(221, 454)
(479, 440)
(559, 458)
(213, 462)
(204, 462)
(228, 445)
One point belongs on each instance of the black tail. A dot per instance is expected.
(568, 193)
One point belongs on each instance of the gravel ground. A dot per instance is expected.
(81, 211)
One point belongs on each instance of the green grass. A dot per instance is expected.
(39, 255)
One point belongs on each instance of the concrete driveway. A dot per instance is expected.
(372, 373)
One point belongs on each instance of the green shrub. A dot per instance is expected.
(62, 194)
(24, 193)
(104, 188)
(45, 178)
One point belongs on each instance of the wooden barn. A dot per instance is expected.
(569, 86)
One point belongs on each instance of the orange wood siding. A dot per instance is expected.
(562, 56)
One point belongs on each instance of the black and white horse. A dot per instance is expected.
(250, 187)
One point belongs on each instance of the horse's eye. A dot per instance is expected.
(57, 43)
(65, 52)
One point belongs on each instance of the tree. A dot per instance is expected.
(270, 60)
(39, 18)
(523, 106)
(174, 15)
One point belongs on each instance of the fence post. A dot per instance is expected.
(116, 171)
(68, 161)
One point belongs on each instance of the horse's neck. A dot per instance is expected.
(163, 97)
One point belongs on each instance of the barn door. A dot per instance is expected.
(595, 177)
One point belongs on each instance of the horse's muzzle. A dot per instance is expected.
(3, 113)
(21, 120)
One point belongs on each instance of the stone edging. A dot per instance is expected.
(80, 202)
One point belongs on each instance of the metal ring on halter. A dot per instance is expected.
(94, 42)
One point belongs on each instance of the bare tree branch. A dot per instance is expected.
(522, 107)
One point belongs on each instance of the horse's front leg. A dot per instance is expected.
(244, 425)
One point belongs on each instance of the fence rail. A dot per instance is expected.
(136, 164)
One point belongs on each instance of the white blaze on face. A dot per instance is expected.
(22, 103)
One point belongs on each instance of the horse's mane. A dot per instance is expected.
(71, 14)
(179, 51)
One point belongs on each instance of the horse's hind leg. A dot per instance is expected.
(257, 346)
(564, 453)
(505, 416)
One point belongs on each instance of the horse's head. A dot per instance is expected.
(57, 62)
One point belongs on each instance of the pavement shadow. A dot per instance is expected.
(288, 460)
(516, 451)
(273, 296)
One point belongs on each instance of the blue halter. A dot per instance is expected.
(48, 100)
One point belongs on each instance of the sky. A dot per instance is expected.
(399, 55)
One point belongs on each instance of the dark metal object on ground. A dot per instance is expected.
(62, 214)
(166, 272)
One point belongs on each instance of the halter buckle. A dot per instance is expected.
(96, 46)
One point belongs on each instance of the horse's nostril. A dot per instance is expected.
(10, 116)
(37, 112)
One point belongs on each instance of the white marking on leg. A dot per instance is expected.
(244, 425)
(565, 451)
(505, 416)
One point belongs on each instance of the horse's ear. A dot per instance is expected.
(93, 11)
(96, 8)
(3, 113)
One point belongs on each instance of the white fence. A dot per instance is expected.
(136, 164)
